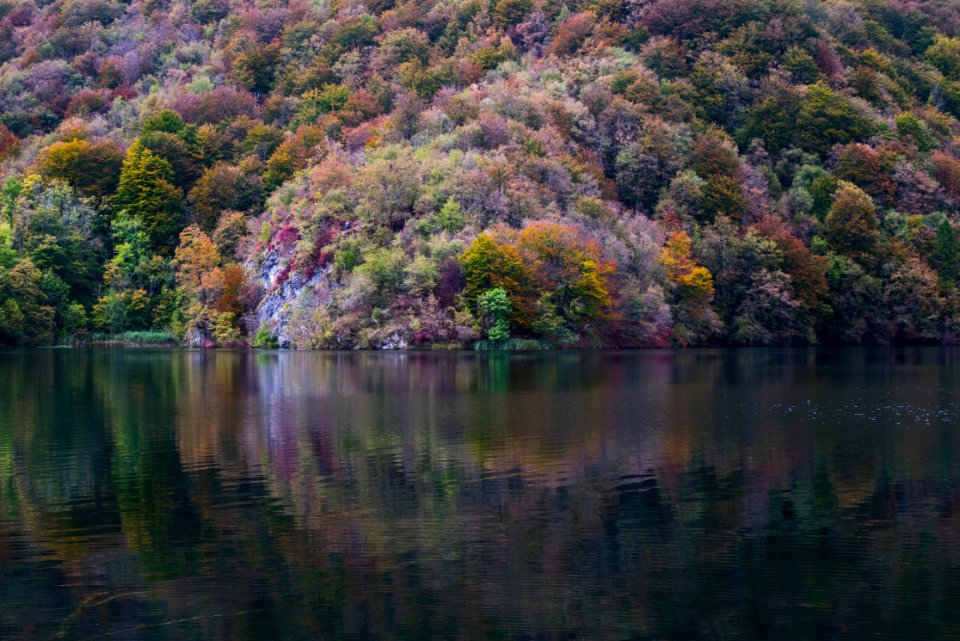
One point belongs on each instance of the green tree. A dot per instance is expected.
(910, 127)
(947, 253)
(256, 69)
(166, 120)
(772, 120)
(26, 318)
(489, 264)
(147, 192)
(317, 102)
(135, 281)
(507, 13)
(801, 65)
(55, 229)
(857, 303)
(827, 118)
(176, 151)
(495, 309)
(851, 226)
(944, 54)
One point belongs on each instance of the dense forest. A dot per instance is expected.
(433, 173)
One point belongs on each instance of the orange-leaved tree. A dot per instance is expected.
(555, 277)
(201, 283)
(692, 290)
(691, 281)
(567, 268)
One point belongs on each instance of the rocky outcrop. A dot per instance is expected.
(284, 288)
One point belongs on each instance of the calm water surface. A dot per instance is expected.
(653, 495)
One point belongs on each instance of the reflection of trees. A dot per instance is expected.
(680, 496)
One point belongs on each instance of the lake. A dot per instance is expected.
(714, 494)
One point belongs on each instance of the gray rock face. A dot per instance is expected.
(282, 298)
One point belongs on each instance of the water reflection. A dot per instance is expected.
(654, 495)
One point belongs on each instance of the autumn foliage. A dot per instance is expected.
(425, 174)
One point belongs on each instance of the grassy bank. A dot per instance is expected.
(131, 339)
(513, 345)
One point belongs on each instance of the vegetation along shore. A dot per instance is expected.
(398, 174)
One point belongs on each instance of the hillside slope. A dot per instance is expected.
(422, 174)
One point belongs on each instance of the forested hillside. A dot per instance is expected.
(390, 174)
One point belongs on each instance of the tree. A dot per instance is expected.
(317, 102)
(146, 192)
(56, 230)
(230, 231)
(773, 120)
(914, 300)
(858, 305)
(293, 154)
(220, 188)
(947, 253)
(722, 196)
(691, 291)
(206, 11)
(495, 309)
(808, 283)
(571, 32)
(863, 166)
(390, 187)
(9, 143)
(26, 318)
(92, 168)
(769, 314)
(172, 148)
(507, 13)
(944, 54)
(165, 120)
(136, 282)
(197, 261)
(691, 281)
(566, 265)
(912, 128)
(851, 226)
(489, 264)
(200, 280)
(801, 65)
(256, 68)
(639, 176)
(947, 172)
(827, 118)
(408, 44)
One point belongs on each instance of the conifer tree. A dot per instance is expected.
(146, 192)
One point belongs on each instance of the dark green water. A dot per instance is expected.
(650, 495)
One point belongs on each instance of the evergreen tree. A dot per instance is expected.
(146, 192)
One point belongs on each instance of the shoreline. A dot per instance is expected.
(172, 346)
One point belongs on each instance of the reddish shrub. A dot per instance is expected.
(222, 103)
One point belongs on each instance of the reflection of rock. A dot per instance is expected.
(338, 489)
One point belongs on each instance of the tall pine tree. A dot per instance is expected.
(146, 191)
